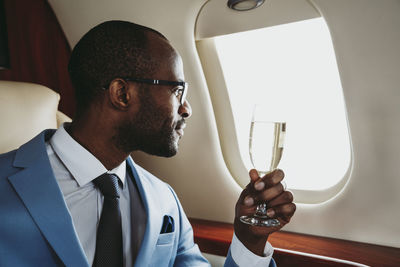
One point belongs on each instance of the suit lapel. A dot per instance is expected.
(41, 195)
(154, 216)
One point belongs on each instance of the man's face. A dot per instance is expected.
(158, 125)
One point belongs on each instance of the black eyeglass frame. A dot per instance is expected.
(184, 85)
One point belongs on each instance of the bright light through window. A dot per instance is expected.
(291, 69)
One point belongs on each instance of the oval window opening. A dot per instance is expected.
(292, 69)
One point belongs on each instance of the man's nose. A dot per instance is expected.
(185, 110)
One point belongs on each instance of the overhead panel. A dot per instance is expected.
(216, 18)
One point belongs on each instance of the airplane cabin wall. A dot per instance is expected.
(366, 40)
(38, 49)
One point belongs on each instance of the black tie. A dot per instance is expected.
(109, 232)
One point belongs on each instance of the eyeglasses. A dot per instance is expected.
(180, 89)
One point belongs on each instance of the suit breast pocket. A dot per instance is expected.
(165, 239)
(164, 250)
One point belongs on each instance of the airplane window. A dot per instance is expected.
(292, 69)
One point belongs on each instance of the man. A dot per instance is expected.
(74, 197)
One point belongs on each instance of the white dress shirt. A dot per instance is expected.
(75, 168)
(244, 257)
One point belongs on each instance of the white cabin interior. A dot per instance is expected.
(364, 205)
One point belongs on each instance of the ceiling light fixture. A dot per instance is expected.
(244, 5)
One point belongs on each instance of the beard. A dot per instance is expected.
(152, 130)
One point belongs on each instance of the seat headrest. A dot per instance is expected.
(26, 109)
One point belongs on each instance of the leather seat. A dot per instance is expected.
(26, 109)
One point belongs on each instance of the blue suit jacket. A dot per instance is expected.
(36, 228)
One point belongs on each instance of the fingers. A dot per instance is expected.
(253, 175)
(261, 189)
(282, 212)
(268, 180)
(285, 197)
(282, 207)
(244, 196)
(268, 189)
(269, 194)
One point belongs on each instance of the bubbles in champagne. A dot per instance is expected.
(266, 144)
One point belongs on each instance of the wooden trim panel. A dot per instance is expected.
(215, 237)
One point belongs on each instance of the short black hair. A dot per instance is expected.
(110, 50)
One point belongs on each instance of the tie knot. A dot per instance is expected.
(108, 185)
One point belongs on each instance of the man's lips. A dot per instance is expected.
(180, 132)
(179, 127)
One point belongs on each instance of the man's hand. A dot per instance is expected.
(279, 203)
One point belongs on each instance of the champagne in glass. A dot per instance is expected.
(266, 147)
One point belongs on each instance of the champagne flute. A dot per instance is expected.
(265, 146)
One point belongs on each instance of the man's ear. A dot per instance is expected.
(120, 94)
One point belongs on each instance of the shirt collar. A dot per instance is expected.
(82, 164)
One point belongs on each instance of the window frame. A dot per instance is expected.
(220, 99)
